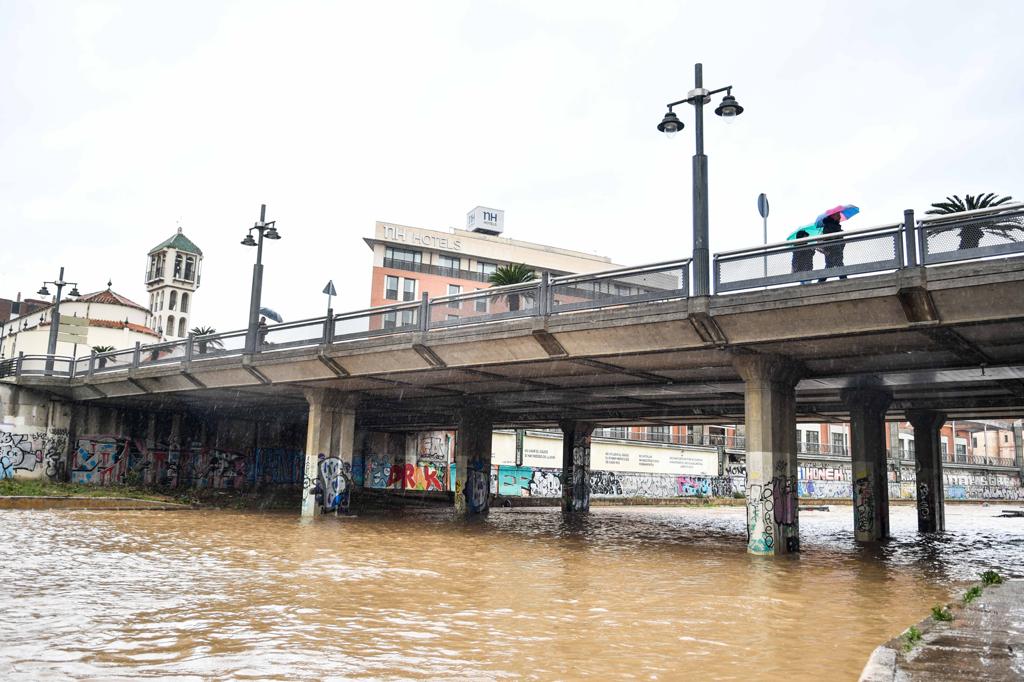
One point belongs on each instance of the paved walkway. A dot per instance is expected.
(985, 641)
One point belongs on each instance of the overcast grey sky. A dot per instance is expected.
(117, 119)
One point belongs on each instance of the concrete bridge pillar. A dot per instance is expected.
(330, 440)
(867, 451)
(773, 525)
(576, 465)
(931, 506)
(473, 463)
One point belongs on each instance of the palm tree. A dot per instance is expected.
(205, 343)
(102, 349)
(971, 234)
(514, 273)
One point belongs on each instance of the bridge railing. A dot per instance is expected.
(972, 234)
(363, 324)
(656, 282)
(805, 260)
(486, 305)
(940, 239)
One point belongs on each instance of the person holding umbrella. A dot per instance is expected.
(833, 247)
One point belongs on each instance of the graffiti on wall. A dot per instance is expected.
(334, 483)
(477, 487)
(415, 477)
(826, 489)
(113, 460)
(37, 453)
(863, 504)
(433, 450)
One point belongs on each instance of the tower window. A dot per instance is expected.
(181, 327)
(174, 300)
(170, 325)
(190, 268)
(184, 303)
(177, 266)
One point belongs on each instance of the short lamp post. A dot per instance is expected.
(268, 230)
(729, 109)
(51, 347)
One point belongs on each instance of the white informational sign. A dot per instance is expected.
(652, 459)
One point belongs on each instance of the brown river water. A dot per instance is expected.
(626, 593)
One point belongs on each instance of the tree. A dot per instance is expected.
(201, 333)
(971, 234)
(513, 273)
(102, 349)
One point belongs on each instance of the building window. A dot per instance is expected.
(812, 442)
(838, 443)
(481, 303)
(454, 290)
(614, 432)
(486, 268)
(391, 287)
(184, 303)
(450, 262)
(408, 289)
(660, 434)
(190, 268)
(961, 449)
(452, 317)
(181, 327)
(174, 300)
(408, 318)
(391, 253)
(177, 266)
(390, 320)
(170, 325)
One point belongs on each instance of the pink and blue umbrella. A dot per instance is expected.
(845, 212)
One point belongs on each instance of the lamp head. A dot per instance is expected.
(43, 291)
(729, 109)
(248, 241)
(271, 232)
(670, 125)
(74, 292)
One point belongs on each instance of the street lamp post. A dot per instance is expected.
(670, 125)
(51, 347)
(268, 230)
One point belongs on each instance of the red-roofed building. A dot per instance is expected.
(107, 320)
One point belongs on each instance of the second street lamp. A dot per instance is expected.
(269, 231)
(51, 347)
(729, 109)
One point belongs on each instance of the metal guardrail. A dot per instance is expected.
(811, 259)
(973, 234)
(939, 239)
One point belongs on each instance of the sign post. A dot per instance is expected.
(762, 208)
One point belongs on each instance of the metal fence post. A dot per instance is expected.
(328, 327)
(909, 229)
(544, 307)
(137, 355)
(188, 347)
(425, 312)
(92, 362)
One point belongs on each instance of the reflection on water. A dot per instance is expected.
(634, 593)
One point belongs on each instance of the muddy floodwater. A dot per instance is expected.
(626, 593)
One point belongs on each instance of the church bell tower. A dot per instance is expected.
(172, 278)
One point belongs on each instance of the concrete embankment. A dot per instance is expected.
(106, 503)
(984, 641)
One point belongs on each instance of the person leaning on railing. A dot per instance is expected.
(833, 247)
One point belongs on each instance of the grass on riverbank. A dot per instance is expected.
(37, 487)
(268, 498)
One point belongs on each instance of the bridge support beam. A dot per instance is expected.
(773, 525)
(867, 407)
(931, 506)
(330, 440)
(576, 465)
(473, 463)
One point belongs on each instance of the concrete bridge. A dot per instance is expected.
(923, 329)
